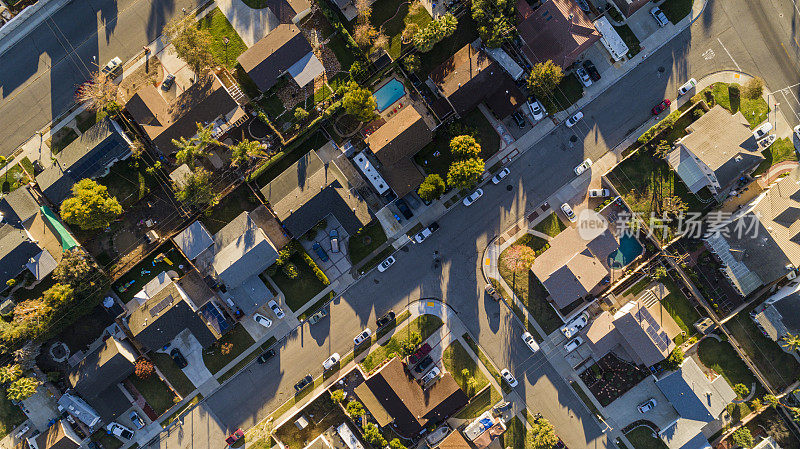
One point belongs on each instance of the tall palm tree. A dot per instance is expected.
(245, 150)
(791, 341)
(192, 149)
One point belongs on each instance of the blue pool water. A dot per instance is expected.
(388, 94)
(629, 249)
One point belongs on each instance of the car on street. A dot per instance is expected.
(659, 108)
(500, 175)
(237, 435)
(491, 291)
(386, 264)
(362, 337)
(599, 193)
(689, 85)
(537, 111)
(425, 233)
(586, 80)
(569, 213)
(519, 119)
(583, 167)
(509, 378)
(385, 319)
(334, 235)
(528, 339)
(169, 80)
(591, 70)
(263, 358)
(115, 428)
(762, 131)
(111, 66)
(473, 197)
(573, 344)
(575, 325)
(276, 309)
(575, 118)
(304, 382)
(137, 420)
(262, 320)
(331, 361)
(178, 358)
(432, 374)
(647, 406)
(658, 14)
(323, 256)
(424, 364)
(404, 209)
(314, 319)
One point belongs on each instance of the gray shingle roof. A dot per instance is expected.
(19, 206)
(248, 255)
(692, 395)
(194, 240)
(16, 249)
(102, 368)
(274, 54)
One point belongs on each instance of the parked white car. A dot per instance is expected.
(569, 213)
(509, 378)
(599, 193)
(583, 167)
(575, 325)
(659, 15)
(262, 320)
(473, 197)
(573, 344)
(275, 309)
(689, 85)
(331, 361)
(528, 339)
(797, 132)
(576, 117)
(537, 110)
(119, 430)
(432, 374)
(362, 337)
(647, 406)
(583, 76)
(499, 176)
(762, 130)
(386, 264)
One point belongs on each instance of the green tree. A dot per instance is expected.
(396, 444)
(663, 149)
(431, 188)
(355, 408)
(465, 174)
(245, 150)
(300, 114)
(190, 150)
(674, 360)
(74, 267)
(495, 19)
(59, 295)
(191, 44)
(426, 38)
(90, 206)
(358, 70)
(448, 24)
(412, 63)
(10, 373)
(770, 400)
(544, 78)
(542, 435)
(359, 102)
(791, 342)
(518, 258)
(410, 345)
(660, 272)
(741, 390)
(464, 147)
(195, 188)
(742, 437)
(373, 435)
(22, 388)
(337, 395)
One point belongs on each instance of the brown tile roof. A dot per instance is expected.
(455, 441)
(395, 143)
(270, 57)
(56, 437)
(466, 77)
(557, 30)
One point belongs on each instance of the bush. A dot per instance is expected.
(698, 112)
(290, 270)
(754, 88)
(144, 369)
(733, 91)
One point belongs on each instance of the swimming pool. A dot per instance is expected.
(629, 249)
(388, 94)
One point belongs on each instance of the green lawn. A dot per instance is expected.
(639, 286)
(721, 357)
(173, 374)
(630, 39)
(105, 440)
(642, 438)
(272, 105)
(679, 307)
(456, 359)
(380, 257)
(551, 225)
(424, 325)
(61, 138)
(300, 290)
(27, 165)
(87, 119)
(213, 357)
(777, 366)
(515, 434)
(128, 181)
(486, 362)
(342, 51)
(676, 10)
(145, 271)
(755, 111)
(480, 403)
(568, 92)
(466, 32)
(217, 24)
(13, 178)
(155, 392)
(365, 241)
(231, 206)
(391, 17)
(781, 150)
(10, 415)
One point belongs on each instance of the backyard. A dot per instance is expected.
(241, 199)
(611, 377)
(780, 151)
(155, 392)
(391, 17)
(10, 415)
(128, 181)
(365, 241)
(466, 32)
(770, 422)
(321, 414)
(456, 360)
(642, 438)
(303, 287)
(722, 358)
(213, 356)
(14, 177)
(679, 307)
(135, 279)
(424, 325)
(173, 374)
(217, 24)
(436, 158)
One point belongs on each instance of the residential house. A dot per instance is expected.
(455, 440)
(25, 241)
(505, 98)
(632, 332)
(484, 430)
(572, 267)
(207, 101)
(395, 143)
(779, 315)
(465, 78)
(89, 156)
(285, 50)
(718, 150)
(96, 378)
(193, 240)
(760, 244)
(393, 396)
(558, 31)
(79, 409)
(699, 401)
(628, 7)
(309, 191)
(60, 435)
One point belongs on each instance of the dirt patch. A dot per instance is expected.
(138, 78)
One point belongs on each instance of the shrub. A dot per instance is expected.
(710, 100)
(290, 270)
(10, 373)
(754, 88)
(11, 282)
(144, 369)
(742, 437)
(355, 408)
(337, 395)
(226, 348)
(22, 388)
(698, 112)
(733, 91)
(412, 63)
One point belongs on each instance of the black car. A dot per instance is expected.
(424, 365)
(384, 320)
(304, 382)
(266, 356)
(519, 119)
(591, 70)
(179, 359)
(169, 80)
(433, 226)
(404, 209)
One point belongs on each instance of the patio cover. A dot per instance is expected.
(67, 241)
(306, 69)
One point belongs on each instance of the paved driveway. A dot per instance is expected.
(196, 369)
(624, 410)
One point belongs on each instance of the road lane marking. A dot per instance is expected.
(729, 54)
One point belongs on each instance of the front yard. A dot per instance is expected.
(61, 138)
(105, 440)
(240, 340)
(611, 377)
(569, 91)
(551, 225)
(676, 10)
(13, 178)
(321, 414)
(301, 289)
(155, 392)
(424, 325)
(642, 438)
(780, 151)
(365, 241)
(456, 360)
(515, 434)
(217, 24)
(480, 403)
(754, 110)
(173, 374)
(392, 16)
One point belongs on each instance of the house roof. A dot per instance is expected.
(572, 267)
(201, 103)
(557, 30)
(86, 157)
(685, 434)
(466, 77)
(193, 240)
(682, 161)
(505, 98)
(395, 143)
(18, 206)
(41, 264)
(156, 322)
(16, 250)
(693, 395)
(57, 437)
(411, 407)
(310, 190)
(781, 314)
(455, 441)
(102, 369)
(240, 250)
(251, 294)
(642, 334)
(274, 54)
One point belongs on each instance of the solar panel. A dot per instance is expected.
(156, 309)
(661, 345)
(664, 337)
(652, 333)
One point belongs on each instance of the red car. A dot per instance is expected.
(659, 108)
(235, 436)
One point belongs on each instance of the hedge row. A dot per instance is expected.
(667, 122)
